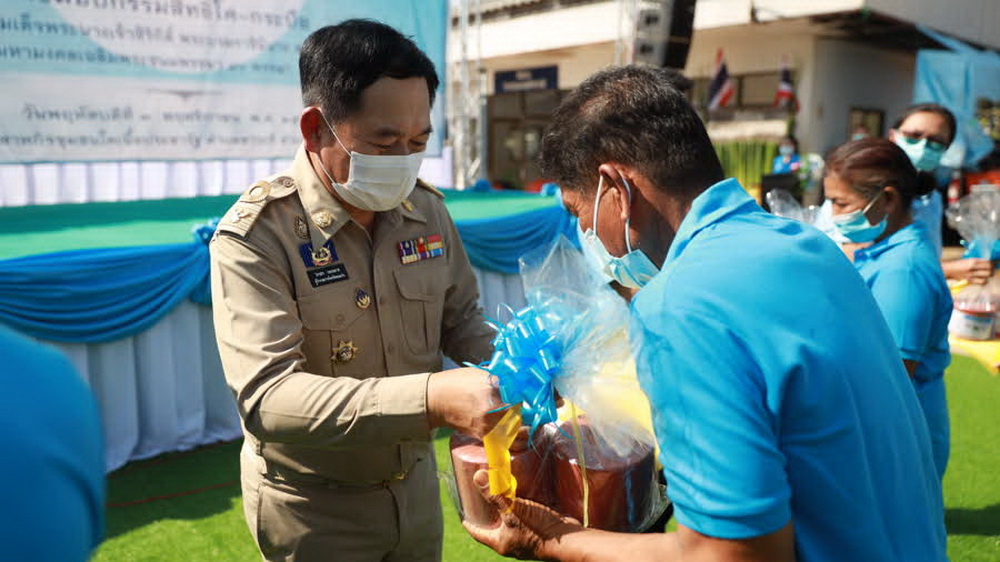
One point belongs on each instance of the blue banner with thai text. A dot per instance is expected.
(124, 80)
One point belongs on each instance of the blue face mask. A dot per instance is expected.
(786, 150)
(855, 225)
(632, 270)
(925, 155)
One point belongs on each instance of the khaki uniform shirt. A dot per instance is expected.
(327, 335)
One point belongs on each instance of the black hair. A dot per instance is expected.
(338, 62)
(870, 165)
(635, 116)
(934, 108)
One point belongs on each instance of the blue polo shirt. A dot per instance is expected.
(904, 274)
(52, 498)
(777, 392)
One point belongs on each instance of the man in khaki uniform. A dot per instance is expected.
(336, 286)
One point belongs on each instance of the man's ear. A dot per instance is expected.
(313, 128)
(614, 183)
(892, 135)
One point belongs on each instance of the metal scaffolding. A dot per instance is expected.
(466, 96)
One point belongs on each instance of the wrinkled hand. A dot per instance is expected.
(973, 270)
(526, 529)
(462, 399)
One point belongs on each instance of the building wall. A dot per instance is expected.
(749, 49)
(567, 27)
(721, 13)
(575, 64)
(973, 20)
(850, 74)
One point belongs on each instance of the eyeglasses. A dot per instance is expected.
(914, 137)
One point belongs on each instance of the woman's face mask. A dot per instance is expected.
(632, 270)
(376, 182)
(786, 150)
(924, 153)
(855, 225)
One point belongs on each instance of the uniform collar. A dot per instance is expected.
(910, 233)
(711, 206)
(325, 211)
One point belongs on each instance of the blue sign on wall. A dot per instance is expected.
(526, 80)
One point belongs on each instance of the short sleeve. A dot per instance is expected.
(718, 439)
(907, 303)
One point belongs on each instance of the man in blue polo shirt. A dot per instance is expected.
(787, 425)
(52, 463)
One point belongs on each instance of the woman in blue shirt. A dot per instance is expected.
(787, 161)
(870, 184)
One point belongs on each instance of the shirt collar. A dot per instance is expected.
(325, 211)
(909, 233)
(711, 206)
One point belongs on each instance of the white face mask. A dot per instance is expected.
(376, 182)
(632, 270)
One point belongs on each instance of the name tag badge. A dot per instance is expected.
(419, 249)
(326, 275)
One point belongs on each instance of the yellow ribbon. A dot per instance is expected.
(578, 437)
(497, 444)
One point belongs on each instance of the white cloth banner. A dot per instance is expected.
(163, 390)
(48, 184)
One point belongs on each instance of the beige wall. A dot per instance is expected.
(850, 74)
(831, 76)
(760, 48)
(575, 65)
(974, 20)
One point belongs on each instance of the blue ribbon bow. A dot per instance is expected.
(525, 360)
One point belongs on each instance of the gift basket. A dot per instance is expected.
(977, 218)
(593, 457)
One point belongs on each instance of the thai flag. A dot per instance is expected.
(721, 91)
(785, 96)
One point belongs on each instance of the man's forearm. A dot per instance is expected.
(591, 545)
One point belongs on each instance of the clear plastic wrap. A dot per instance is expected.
(572, 339)
(977, 218)
(783, 204)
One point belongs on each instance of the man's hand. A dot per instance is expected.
(463, 399)
(525, 529)
(973, 270)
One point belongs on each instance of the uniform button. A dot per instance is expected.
(391, 348)
(381, 301)
(340, 319)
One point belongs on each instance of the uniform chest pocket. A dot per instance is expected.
(339, 338)
(421, 307)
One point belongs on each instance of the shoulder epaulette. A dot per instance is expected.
(429, 187)
(243, 214)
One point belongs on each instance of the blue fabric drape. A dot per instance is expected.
(957, 79)
(100, 295)
(496, 244)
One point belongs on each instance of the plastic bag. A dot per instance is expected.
(783, 204)
(977, 218)
(571, 339)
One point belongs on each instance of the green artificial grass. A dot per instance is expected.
(186, 506)
(40, 229)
